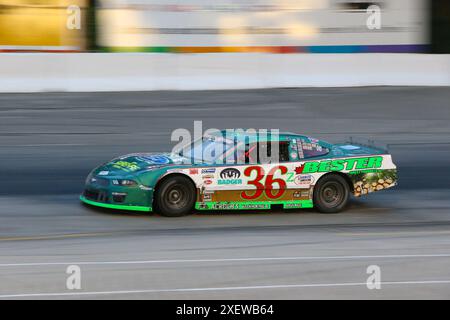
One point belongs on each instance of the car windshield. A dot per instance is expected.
(207, 149)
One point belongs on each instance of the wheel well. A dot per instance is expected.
(343, 175)
(171, 175)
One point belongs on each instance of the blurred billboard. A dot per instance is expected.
(184, 26)
(39, 25)
(263, 25)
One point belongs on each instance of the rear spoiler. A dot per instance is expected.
(369, 144)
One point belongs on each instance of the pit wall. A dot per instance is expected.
(86, 72)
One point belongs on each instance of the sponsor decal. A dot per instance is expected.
(304, 179)
(226, 206)
(340, 165)
(255, 206)
(293, 155)
(126, 166)
(230, 173)
(297, 194)
(230, 176)
(209, 170)
(103, 173)
(365, 183)
(155, 159)
(357, 172)
(207, 196)
(292, 205)
(252, 205)
(193, 171)
(208, 176)
(229, 181)
(208, 182)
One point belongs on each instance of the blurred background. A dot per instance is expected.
(185, 26)
(85, 81)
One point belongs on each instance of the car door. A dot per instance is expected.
(266, 179)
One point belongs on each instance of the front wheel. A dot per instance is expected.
(331, 194)
(175, 197)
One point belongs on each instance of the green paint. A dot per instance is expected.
(252, 205)
(115, 206)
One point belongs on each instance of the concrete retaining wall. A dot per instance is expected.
(144, 72)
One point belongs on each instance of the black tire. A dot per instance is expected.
(331, 194)
(175, 197)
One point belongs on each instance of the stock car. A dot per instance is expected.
(307, 173)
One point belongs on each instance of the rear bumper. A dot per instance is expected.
(115, 206)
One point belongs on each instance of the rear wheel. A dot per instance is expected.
(331, 194)
(175, 197)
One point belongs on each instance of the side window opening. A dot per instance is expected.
(250, 154)
(284, 151)
(254, 151)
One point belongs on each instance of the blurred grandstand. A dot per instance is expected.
(185, 26)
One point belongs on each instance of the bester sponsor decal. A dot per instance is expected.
(340, 165)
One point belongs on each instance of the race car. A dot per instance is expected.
(307, 173)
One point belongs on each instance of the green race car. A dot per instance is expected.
(242, 175)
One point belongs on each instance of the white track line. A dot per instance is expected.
(313, 285)
(405, 256)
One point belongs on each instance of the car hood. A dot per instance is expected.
(137, 162)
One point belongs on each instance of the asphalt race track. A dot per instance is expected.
(49, 142)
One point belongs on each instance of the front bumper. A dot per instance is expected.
(114, 206)
(103, 194)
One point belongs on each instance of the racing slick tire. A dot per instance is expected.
(331, 194)
(175, 197)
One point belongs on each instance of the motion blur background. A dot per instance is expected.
(276, 26)
(59, 120)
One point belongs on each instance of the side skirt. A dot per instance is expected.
(252, 205)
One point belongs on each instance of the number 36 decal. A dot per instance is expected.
(265, 185)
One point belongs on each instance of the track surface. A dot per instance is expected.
(49, 142)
